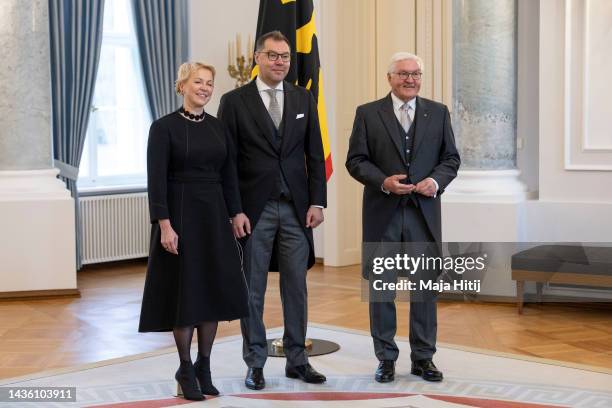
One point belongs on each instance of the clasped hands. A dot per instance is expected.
(393, 184)
(241, 225)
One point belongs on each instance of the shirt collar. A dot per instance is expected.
(262, 86)
(397, 102)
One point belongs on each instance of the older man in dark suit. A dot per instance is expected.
(281, 170)
(403, 150)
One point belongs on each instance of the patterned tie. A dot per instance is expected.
(405, 116)
(274, 108)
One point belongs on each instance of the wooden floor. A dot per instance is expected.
(40, 334)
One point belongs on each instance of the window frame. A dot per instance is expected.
(94, 184)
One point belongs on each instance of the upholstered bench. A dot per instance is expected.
(564, 264)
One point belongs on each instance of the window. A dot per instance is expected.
(114, 155)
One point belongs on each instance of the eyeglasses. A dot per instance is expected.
(405, 75)
(273, 56)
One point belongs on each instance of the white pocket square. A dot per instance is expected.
(299, 116)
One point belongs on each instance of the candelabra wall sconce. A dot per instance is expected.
(239, 65)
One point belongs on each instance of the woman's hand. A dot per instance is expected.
(169, 239)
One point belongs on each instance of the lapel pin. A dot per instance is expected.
(425, 114)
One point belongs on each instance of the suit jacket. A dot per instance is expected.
(299, 156)
(375, 152)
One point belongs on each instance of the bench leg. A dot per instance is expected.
(520, 286)
(539, 286)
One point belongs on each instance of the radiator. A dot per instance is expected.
(114, 227)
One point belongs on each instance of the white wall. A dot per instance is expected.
(37, 250)
(566, 106)
(575, 201)
(212, 25)
(349, 65)
(326, 53)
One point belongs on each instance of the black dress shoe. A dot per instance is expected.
(385, 371)
(255, 379)
(187, 384)
(306, 373)
(427, 370)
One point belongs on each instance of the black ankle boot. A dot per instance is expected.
(187, 386)
(202, 370)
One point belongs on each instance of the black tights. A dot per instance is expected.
(206, 336)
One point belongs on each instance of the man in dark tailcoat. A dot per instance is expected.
(281, 169)
(402, 150)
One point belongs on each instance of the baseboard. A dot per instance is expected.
(40, 294)
(529, 298)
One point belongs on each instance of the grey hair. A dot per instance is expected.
(401, 56)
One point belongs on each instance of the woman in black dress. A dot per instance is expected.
(194, 275)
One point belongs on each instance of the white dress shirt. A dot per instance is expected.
(397, 106)
(262, 87)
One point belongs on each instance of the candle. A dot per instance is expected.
(238, 48)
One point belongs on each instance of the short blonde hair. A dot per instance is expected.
(185, 71)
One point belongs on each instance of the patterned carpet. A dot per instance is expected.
(472, 379)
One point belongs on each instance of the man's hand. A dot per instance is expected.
(241, 225)
(426, 187)
(392, 184)
(314, 217)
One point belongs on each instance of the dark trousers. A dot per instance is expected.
(278, 221)
(407, 225)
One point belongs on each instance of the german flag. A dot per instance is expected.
(295, 19)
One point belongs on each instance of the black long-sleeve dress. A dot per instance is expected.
(192, 180)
